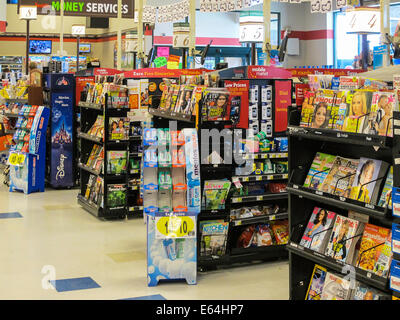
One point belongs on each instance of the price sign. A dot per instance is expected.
(16, 159)
(28, 12)
(78, 30)
(160, 62)
(175, 227)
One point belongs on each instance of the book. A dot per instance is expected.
(372, 243)
(319, 169)
(116, 195)
(385, 200)
(216, 104)
(358, 108)
(368, 179)
(307, 108)
(213, 239)
(364, 292)
(280, 229)
(117, 162)
(118, 128)
(215, 194)
(342, 240)
(317, 281)
(317, 231)
(335, 288)
(379, 120)
(340, 177)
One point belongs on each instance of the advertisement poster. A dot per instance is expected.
(80, 84)
(300, 88)
(61, 173)
(283, 99)
(239, 91)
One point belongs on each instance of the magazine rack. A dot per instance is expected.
(304, 143)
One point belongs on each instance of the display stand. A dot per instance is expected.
(304, 143)
(27, 157)
(60, 96)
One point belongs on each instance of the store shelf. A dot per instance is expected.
(260, 155)
(373, 211)
(117, 142)
(214, 214)
(10, 131)
(135, 209)
(91, 208)
(17, 100)
(259, 219)
(274, 251)
(204, 261)
(11, 115)
(361, 275)
(261, 177)
(171, 115)
(136, 154)
(269, 196)
(135, 138)
(88, 105)
(90, 138)
(341, 137)
(90, 170)
(134, 171)
(134, 188)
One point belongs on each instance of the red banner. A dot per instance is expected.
(240, 88)
(267, 72)
(299, 72)
(283, 99)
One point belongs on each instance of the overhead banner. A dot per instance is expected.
(86, 8)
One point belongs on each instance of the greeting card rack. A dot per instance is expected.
(304, 143)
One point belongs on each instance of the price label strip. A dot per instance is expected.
(175, 227)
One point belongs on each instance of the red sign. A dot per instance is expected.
(298, 72)
(106, 72)
(283, 99)
(80, 84)
(240, 88)
(163, 73)
(267, 72)
(299, 90)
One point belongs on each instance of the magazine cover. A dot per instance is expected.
(117, 162)
(213, 239)
(326, 108)
(386, 195)
(316, 283)
(97, 129)
(335, 288)
(216, 105)
(340, 177)
(341, 242)
(98, 163)
(364, 292)
(116, 195)
(359, 106)
(317, 231)
(215, 194)
(379, 120)
(366, 185)
(118, 128)
(90, 185)
(372, 244)
(319, 169)
(280, 228)
(342, 110)
(97, 191)
(144, 93)
(384, 259)
(93, 155)
(307, 108)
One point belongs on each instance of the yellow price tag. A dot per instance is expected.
(175, 227)
(16, 159)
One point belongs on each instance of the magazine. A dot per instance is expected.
(317, 281)
(96, 150)
(342, 109)
(90, 186)
(379, 121)
(116, 195)
(385, 200)
(118, 128)
(216, 105)
(326, 107)
(317, 231)
(364, 292)
(98, 163)
(144, 93)
(372, 244)
(340, 177)
(96, 192)
(280, 229)
(215, 194)
(213, 239)
(358, 108)
(335, 288)
(342, 241)
(97, 129)
(307, 108)
(319, 169)
(384, 259)
(117, 162)
(366, 184)
(185, 100)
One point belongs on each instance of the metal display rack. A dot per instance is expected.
(304, 143)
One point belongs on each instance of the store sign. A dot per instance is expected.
(283, 100)
(364, 21)
(267, 72)
(16, 159)
(251, 28)
(78, 30)
(28, 13)
(175, 227)
(86, 8)
(131, 42)
(181, 35)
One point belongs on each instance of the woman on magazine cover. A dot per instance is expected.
(320, 117)
(385, 126)
(316, 230)
(358, 108)
(360, 192)
(339, 244)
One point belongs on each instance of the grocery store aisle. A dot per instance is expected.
(48, 236)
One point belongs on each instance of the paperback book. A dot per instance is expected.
(116, 195)
(342, 240)
(385, 200)
(319, 169)
(318, 230)
(335, 288)
(117, 162)
(213, 239)
(118, 128)
(316, 285)
(368, 179)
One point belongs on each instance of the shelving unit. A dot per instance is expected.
(304, 143)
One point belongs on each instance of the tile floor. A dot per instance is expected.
(48, 236)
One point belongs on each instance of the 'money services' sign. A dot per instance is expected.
(87, 8)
